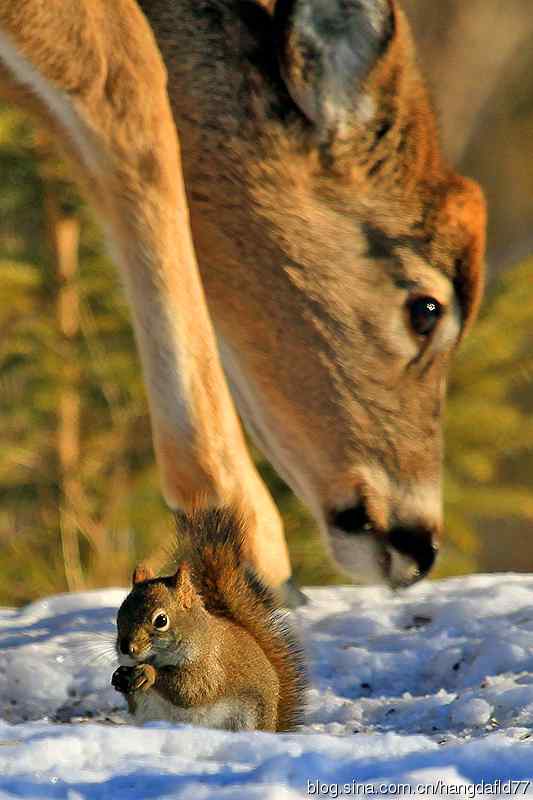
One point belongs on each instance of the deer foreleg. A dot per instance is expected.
(93, 75)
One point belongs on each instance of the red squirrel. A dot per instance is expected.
(209, 645)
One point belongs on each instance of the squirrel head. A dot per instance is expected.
(162, 620)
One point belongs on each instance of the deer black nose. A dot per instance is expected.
(417, 543)
(399, 555)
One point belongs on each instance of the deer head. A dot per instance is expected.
(345, 273)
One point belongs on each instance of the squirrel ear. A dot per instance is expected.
(183, 585)
(141, 573)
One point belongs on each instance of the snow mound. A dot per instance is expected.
(429, 686)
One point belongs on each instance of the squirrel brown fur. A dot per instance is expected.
(209, 644)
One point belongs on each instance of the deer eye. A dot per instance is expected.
(160, 620)
(424, 314)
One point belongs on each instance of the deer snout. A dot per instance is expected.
(416, 545)
(398, 555)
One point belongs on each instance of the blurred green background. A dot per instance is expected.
(79, 497)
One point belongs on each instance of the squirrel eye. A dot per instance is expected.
(160, 621)
(424, 314)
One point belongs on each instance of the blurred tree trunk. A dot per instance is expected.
(64, 236)
(478, 58)
(466, 47)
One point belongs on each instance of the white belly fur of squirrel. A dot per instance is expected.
(228, 714)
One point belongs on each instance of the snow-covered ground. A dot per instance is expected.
(433, 685)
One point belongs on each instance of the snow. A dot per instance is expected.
(427, 686)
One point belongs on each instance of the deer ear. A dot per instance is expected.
(465, 217)
(326, 48)
(183, 585)
(141, 573)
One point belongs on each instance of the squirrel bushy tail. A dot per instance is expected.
(230, 588)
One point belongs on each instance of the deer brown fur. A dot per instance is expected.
(321, 208)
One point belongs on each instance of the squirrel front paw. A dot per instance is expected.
(139, 678)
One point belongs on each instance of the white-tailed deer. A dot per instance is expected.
(340, 256)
